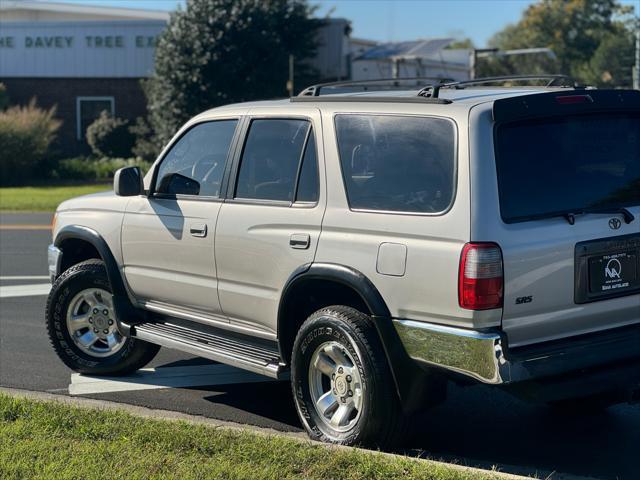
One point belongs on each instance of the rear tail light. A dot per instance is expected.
(480, 278)
(573, 99)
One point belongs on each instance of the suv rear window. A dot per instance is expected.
(567, 164)
(397, 163)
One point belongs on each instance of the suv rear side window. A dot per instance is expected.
(200, 155)
(567, 164)
(397, 163)
(270, 159)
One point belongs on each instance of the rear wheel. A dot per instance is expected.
(342, 384)
(82, 325)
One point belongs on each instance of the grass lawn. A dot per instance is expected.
(52, 440)
(43, 198)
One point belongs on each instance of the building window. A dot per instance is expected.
(88, 109)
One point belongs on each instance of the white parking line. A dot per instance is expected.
(32, 290)
(24, 277)
(164, 377)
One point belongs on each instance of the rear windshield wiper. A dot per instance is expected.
(626, 214)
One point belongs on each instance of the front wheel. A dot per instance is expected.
(342, 384)
(82, 326)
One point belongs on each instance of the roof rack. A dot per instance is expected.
(368, 99)
(432, 91)
(314, 90)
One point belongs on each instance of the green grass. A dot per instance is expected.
(52, 440)
(42, 198)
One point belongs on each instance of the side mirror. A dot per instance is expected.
(176, 184)
(127, 182)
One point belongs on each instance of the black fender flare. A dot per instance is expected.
(409, 379)
(121, 302)
(342, 274)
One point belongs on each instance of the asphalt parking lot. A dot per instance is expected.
(477, 425)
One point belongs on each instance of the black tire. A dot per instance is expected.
(588, 405)
(381, 421)
(133, 354)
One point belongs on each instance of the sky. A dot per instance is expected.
(397, 20)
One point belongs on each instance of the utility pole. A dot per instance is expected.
(636, 69)
(290, 81)
(395, 67)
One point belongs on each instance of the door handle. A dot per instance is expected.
(198, 230)
(300, 241)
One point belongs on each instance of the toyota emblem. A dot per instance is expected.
(615, 223)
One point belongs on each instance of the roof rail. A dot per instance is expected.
(369, 99)
(314, 90)
(432, 91)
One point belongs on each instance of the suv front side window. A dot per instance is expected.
(195, 163)
(271, 159)
(397, 163)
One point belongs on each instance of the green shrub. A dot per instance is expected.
(25, 136)
(82, 168)
(110, 137)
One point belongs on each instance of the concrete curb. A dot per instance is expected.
(145, 412)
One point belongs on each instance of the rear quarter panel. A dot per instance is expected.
(428, 290)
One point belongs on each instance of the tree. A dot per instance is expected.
(611, 63)
(216, 52)
(144, 146)
(581, 33)
(464, 43)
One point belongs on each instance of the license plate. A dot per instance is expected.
(613, 272)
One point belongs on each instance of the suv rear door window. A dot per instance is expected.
(560, 165)
(397, 163)
(270, 159)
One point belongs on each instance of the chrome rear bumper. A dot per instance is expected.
(475, 354)
(485, 356)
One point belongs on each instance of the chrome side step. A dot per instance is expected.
(214, 345)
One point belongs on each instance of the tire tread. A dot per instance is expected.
(394, 424)
(140, 353)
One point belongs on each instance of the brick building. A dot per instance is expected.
(83, 59)
(86, 59)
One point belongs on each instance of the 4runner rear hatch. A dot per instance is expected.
(568, 178)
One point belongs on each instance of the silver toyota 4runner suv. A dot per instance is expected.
(372, 246)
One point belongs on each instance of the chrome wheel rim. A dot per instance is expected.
(336, 386)
(91, 323)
